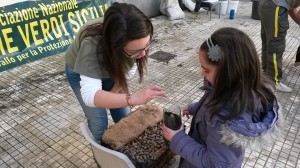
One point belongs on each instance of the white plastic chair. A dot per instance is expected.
(105, 157)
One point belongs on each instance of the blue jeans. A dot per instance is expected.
(96, 117)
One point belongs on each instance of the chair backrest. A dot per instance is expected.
(106, 157)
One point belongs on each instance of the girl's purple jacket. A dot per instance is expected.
(222, 143)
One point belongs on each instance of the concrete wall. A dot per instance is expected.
(149, 7)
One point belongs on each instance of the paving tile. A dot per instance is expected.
(15, 165)
(23, 161)
(292, 161)
(39, 126)
(2, 164)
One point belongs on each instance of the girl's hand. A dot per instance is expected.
(169, 133)
(185, 112)
(145, 95)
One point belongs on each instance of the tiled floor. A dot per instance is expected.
(39, 115)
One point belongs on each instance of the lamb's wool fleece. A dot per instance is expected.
(127, 129)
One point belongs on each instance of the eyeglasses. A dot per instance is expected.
(138, 52)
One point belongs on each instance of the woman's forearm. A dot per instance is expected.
(107, 99)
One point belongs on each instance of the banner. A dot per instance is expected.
(32, 30)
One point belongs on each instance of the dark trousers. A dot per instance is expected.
(274, 26)
(298, 55)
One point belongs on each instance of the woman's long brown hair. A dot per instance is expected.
(122, 23)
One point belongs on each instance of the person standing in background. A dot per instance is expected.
(274, 26)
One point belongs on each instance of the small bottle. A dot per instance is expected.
(231, 14)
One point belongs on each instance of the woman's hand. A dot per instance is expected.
(145, 95)
(185, 112)
(169, 133)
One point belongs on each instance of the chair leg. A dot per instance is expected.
(210, 6)
(219, 10)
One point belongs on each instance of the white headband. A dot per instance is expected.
(214, 51)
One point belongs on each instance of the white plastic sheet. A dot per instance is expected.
(171, 9)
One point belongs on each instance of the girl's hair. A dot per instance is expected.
(122, 23)
(238, 74)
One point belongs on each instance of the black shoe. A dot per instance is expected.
(198, 5)
(181, 5)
